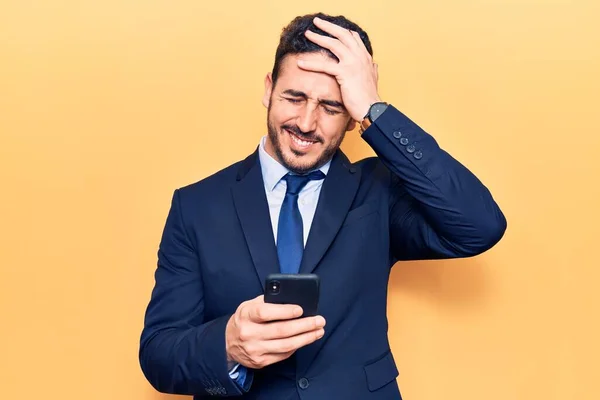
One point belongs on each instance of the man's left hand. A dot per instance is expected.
(356, 73)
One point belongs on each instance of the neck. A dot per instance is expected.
(270, 149)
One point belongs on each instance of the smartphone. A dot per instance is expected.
(300, 289)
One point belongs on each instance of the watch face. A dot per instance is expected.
(376, 110)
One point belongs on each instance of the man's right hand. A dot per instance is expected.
(260, 334)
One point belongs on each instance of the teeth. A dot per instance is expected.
(302, 143)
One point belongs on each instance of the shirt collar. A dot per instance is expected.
(272, 170)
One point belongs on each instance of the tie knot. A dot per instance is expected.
(295, 183)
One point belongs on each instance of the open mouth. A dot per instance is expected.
(300, 142)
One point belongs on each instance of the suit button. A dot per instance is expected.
(397, 134)
(303, 383)
(404, 141)
(411, 148)
(418, 155)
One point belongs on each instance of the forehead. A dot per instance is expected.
(314, 84)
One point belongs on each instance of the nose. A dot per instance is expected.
(307, 119)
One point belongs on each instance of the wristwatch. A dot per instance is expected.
(375, 111)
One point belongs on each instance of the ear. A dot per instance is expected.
(351, 125)
(268, 90)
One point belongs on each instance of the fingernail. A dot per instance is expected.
(297, 311)
(319, 321)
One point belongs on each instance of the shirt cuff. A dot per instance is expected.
(241, 376)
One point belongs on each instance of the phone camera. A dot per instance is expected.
(274, 287)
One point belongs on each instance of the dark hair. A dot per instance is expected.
(293, 41)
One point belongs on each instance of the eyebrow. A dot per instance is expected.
(298, 93)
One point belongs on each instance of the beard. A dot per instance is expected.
(296, 164)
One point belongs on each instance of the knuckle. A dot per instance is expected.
(250, 350)
(238, 316)
(244, 333)
(260, 313)
(313, 323)
(281, 330)
(242, 312)
(244, 304)
(288, 347)
(311, 337)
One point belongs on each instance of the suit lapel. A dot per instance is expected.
(250, 200)
(337, 194)
(252, 209)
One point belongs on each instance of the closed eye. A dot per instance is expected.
(330, 111)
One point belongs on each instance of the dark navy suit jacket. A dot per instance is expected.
(412, 201)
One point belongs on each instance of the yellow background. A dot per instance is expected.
(107, 106)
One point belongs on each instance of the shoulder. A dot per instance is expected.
(210, 188)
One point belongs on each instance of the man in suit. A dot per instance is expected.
(298, 205)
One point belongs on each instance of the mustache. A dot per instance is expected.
(309, 136)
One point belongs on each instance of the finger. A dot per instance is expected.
(327, 42)
(330, 67)
(266, 312)
(293, 343)
(342, 34)
(286, 329)
(360, 43)
(356, 37)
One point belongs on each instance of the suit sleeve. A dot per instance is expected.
(181, 352)
(438, 208)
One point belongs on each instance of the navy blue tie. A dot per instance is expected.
(290, 232)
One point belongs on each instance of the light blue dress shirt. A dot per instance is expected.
(275, 187)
